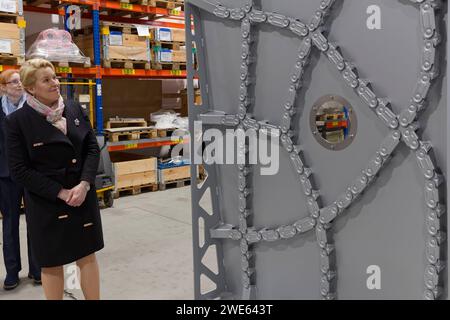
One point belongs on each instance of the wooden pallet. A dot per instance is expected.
(131, 133)
(6, 17)
(10, 59)
(67, 64)
(107, 26)
(53, 4)
(174, 45)
(174, 184)
(169, 65)
(148, 134)
(162, 133)
(127, 64)
(170, 4)
(124, 10)
(125, 122)
(118, 26)
(152, 187)
(140, 2)
(125, 28)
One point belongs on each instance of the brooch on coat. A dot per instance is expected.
(77, 122)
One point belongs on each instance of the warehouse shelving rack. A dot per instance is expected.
(97, 71)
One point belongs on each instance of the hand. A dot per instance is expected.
(64, 194)
(77, 194)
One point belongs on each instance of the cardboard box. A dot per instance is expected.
(116, 45)
(9, 31)
(115, 38)
(124, 52)
(128, 53)
(165, 55)
(179, 35)
(10, 6)
(133, 40)
(10, 46)
(178, 55)
(162, 34)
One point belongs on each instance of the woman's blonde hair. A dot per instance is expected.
(29, 68)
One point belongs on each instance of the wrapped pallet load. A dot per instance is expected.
(57, 46)
(122, 45)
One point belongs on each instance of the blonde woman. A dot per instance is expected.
(53, 153)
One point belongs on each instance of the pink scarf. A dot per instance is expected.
(53, 114)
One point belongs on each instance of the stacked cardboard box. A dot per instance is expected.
(169, 45)
(12, 32)
(118, 42)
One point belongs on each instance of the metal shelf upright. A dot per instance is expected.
(97, 63)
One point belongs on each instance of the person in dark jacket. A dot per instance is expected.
(10, 192)
(53, 153)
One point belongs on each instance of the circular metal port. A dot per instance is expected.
(333, 122)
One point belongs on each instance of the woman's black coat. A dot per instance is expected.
(44, 160)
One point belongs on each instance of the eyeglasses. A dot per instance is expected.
(14, 82)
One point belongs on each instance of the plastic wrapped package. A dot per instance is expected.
(167, 119)
(172, 120)
(181, 122)
(174, 162)
(164, 119)
(56, 45)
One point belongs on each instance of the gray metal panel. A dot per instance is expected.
(386, 226)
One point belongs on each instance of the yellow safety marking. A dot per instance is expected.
(22, 24)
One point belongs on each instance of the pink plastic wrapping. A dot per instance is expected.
(56, 45)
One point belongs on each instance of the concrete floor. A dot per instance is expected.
(147, 254)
